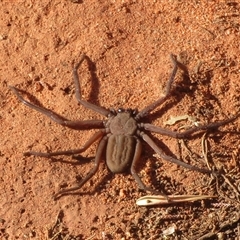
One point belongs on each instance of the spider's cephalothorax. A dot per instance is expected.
(120, 135)
(122, 123)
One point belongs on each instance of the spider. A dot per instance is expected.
(120, 135)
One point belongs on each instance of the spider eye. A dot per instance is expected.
(120, 110)
(134, 112)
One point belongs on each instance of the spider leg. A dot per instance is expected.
(151, 143)
(99, 154)
(77, 125)
(86, 104)
(136, 158)
(175, 134)
(162, 99)
(94, 138)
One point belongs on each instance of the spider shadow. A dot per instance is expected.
(94, 92)
(99, 185)
(76, 1)
(157, 163)
(187, 87)
(33, 100)
(214, 134)
(79, 160)
(217, 139)
(177, 94)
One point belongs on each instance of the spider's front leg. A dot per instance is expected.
(78, 94)
(144, 112)
(77, 125)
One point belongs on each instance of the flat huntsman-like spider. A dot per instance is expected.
(120, 135)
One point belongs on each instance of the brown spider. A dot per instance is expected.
(120, 135)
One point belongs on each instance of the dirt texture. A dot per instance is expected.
(129, 44)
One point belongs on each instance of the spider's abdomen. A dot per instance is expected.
(119, 153)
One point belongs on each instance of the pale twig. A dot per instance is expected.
(151, 200)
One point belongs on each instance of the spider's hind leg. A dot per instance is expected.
(100, 149)
(136, 158)
(94, 138)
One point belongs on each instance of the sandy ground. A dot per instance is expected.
(128, 44)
